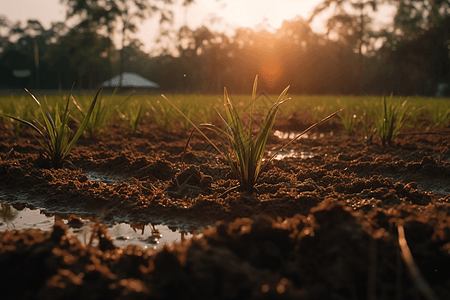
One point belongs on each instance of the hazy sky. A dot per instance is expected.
(237, 13)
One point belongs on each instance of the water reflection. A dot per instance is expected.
(8, 215)
(108, 179)
(289, 135)
(147, 236)
(292, 153)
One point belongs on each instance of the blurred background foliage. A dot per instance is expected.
(410, 56)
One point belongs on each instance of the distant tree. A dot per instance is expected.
(296, 40)
(417, 46)
(24, 49)
(113, 14)
(56, 56)
(205, 55)
(86, 53)
(350, 23)
(4, 28)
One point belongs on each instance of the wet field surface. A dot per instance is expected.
(325, 220)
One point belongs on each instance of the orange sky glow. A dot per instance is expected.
(228, 14)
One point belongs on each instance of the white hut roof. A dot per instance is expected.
(130, 80)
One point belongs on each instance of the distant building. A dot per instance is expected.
(443, 90)
(130, 80)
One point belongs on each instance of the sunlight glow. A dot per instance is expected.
(251, 13)
(271, 69)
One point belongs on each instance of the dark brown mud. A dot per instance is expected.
(321, 227)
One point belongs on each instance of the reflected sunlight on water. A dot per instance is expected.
(147, 236)
(109, 179)
(293, 154)
(289, 135)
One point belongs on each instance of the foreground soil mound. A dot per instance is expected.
(332, 253)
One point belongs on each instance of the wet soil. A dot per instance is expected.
(321, 227)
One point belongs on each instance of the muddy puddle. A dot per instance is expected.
(147, 236)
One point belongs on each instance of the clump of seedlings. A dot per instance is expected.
(440, 112)
(163, 115)
(55, 131)
(349, 121)
(390, 120)
(131, 114)
(243, 149)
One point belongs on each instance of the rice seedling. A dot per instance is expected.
(163, 115)
(320, 106)
(189, 111)
(17, 110)
(132, 115)
(100, 116)
(242, 149)
(55, 130)
(390, 120)
(366, 123)
(440, 113)
(98, 119)
(348, 120)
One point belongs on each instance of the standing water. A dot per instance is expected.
(147, 236)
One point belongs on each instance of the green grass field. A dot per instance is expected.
(359, 111)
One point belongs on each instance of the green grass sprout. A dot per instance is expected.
(239, 146)
(163, 115)
(131, 115)
(55, 130)
(97, 120)
(390, 120)
(366, 123)
(100, 117)
(246, 152)
(348, 120)
(18, 110)
(440, 113)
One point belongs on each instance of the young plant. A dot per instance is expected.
(348, 120)
(18, 109)
(247, 150)
(440, 113)
(163, 115)
(367, 127)
(55, 130)
(243, 150)
(390, 120)
(188, 110)
(100, 116)
(132, 116)
(15, 128)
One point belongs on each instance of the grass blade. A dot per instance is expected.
(83, 124)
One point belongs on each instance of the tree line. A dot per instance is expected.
(410, 56)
